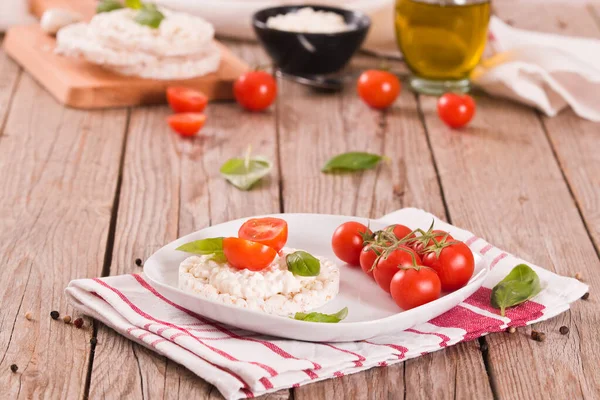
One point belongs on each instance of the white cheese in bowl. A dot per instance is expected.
(307, 20)
(274, 290)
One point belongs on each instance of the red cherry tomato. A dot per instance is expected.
(367, 259)
(387, 267)
(183, 99)
(347, 242)
(456, 110)
(454, 266)
(272, 232)
(439, 236)
(412, 287)
(377, 88)
(186, 124)
(244, 254)
(255, 90)
(401, 231)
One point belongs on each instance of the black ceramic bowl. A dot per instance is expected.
(311, 53)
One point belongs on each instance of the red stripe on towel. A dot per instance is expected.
(271, 346)
(357, 363)
(486, 248)
(147, 316)
(473, 323)
(497, 259)
(443, 343)
(519, 315)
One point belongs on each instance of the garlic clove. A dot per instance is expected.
(56, 18)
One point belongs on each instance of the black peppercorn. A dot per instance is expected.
(54, 314)
(585, 296)
(538, 336)
(138, 262)
(564, 330)
(14, 368)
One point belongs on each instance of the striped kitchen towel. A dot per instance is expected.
(244, 364)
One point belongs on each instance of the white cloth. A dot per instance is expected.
(542, 70)
(243, 364)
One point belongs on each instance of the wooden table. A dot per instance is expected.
(84, 194)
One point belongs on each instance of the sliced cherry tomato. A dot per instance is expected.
(401, 231)
(377, 88)
(413, 287)
(255, 90)
(367, 259)
(272, 232)
(387, 267)
(456, 110)
(245, 254)
(454, 265)
(347, 242)
(183, 99)
(186, 124)
(419, 246)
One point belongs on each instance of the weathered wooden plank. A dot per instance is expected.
(9, 75)
(312, 128)
(59, 170)
(501, 180)
(574, 140)
(171, 187)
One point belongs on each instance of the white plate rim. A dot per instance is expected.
(476, 279)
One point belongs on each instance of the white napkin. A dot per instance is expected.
(542, 70)
(243, 364)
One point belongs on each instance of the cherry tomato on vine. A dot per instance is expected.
(245, 254)
(186, 124)
(367, 259)
(379, 89)
(183, 99)
(401, 231)
(255, 90)
(272, 232)
(347, 241)
(413, 287)
(456, 110)
(387, 267)
(454, 265)
(439, 235)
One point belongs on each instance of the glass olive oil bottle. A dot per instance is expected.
(441, 40)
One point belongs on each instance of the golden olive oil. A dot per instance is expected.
(441, 40)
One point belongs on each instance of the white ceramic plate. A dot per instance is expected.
(371, 311)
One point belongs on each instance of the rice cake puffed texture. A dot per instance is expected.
(179, 34)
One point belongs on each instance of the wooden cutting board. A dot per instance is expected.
(80, 84)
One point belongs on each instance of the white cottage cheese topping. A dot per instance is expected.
(274, 290)
(308, 20)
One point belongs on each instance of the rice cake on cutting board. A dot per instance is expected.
(80, 84)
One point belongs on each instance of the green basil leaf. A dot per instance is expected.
(212, 246)
(135, 4)
(320, 317)
(243, 173)
(353, 161)
(149, 16)
(520, 285)
(108, 6)
(303, 264)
